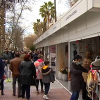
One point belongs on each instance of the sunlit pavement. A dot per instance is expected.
(57, 92)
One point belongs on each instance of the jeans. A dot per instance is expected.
(47, 87)
(37, 84)
(75, 95)
(26, 88)
(8, 72)
(15, 78)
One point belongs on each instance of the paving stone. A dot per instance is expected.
(57, 92)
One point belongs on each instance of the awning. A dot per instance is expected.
(86, 37)
(91, 36)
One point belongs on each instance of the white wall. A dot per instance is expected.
(62, 60)
(83, 27)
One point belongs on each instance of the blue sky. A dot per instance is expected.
(30, 17)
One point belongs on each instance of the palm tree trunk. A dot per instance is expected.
(48, 21)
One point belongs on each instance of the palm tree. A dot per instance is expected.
(47, 12)
(38, 27)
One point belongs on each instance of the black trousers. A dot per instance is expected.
(26, 88)
(15, 78)
(85, 93)
(2, 85)
(47, 87)
(37, 84)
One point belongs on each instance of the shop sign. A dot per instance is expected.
(52, 49)
(71, 15)
(77, 10)
(55, 27)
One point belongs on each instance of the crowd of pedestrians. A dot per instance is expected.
(25, 66)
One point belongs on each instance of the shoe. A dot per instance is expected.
(2, 93)
(45, 97)
(14, 94)
(19, 96)
(42, 91)
(9, 80)
(23, 97)
(37, 92)
(28, 98)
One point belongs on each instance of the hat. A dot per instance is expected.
(96, 63)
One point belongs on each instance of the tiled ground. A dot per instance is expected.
(57, 92)
(54, 94)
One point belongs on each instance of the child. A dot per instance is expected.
(48, 76)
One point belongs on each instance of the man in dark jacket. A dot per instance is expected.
(35, 56)
(7, 57)
(77, 81)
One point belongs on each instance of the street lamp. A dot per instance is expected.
(55, 10)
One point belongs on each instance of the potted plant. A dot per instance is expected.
(65, 74)
(60, 74)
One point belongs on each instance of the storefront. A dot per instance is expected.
(52, 60)
(82, 46)
(76, 32)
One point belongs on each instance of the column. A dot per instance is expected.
(69, 88)
(44, 53)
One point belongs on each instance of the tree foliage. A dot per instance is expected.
(14, 19)
(16, 40)
(38, 27)
(47, 12)
(29, 41)
(32, 48)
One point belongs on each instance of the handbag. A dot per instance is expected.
(33, 82)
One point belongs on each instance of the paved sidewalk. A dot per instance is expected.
(57, 92)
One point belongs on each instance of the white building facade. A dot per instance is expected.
(78, 30)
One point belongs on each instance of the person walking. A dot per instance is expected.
(7, 57)
(48, 76)
(14, 67)
(77, 81)
(1, 75)
(35, 56)
(38, 65)
(27, 73)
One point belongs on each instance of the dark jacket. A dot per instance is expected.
(27, 71)
(7, 56)
(1, 69)
(77, 81)
(48, 75)
(35, 57)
